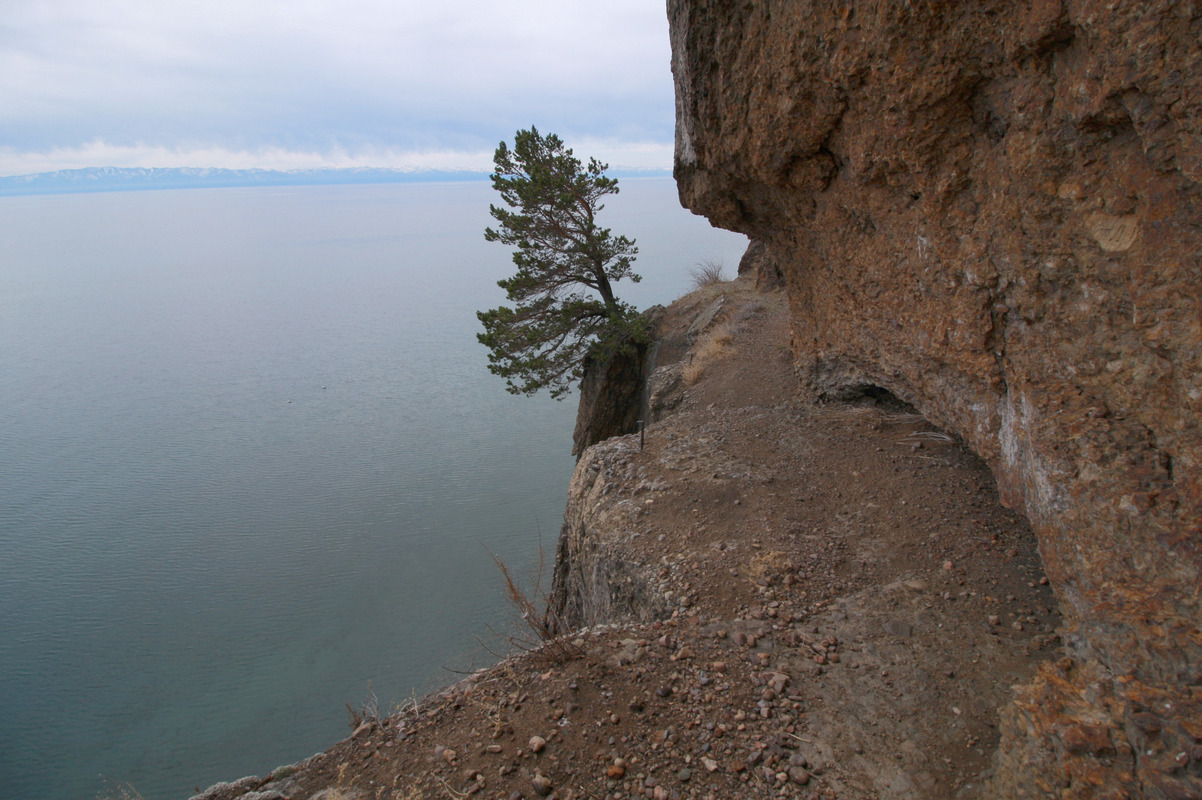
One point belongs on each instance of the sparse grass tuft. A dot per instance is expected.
(880, 417)
(707, 273)
(933, 436)
(410, 707)
(720, 338)
(716, 344)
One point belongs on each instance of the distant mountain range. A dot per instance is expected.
(118, 179)
(121, 179)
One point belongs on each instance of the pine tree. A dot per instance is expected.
(564, 305)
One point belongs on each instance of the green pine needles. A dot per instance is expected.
(564, 306)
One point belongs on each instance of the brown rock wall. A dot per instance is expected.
(994, 210)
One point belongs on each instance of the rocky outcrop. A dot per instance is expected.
(758, 262)
(610, 398)
(595, 580)
(611, 392)
(993, 210)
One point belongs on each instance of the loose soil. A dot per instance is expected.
(850, 605)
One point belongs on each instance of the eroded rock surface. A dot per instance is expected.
(993, 210)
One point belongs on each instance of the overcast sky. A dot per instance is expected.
(305, 83)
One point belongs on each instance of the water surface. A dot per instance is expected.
(251, 460)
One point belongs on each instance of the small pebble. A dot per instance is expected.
(541, 784)
(799, 775)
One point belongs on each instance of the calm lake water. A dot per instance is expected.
(252, 461)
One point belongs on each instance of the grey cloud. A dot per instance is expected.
(326, 73)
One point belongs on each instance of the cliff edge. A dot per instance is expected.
(992, 211)
(764, 598)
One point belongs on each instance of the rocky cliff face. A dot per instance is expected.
(595, 580)
(994, 211)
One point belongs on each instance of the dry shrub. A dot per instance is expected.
(368, 711)
(117, 790)
(541, 632)
(717, 343)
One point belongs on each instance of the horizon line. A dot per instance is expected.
(118, 179)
